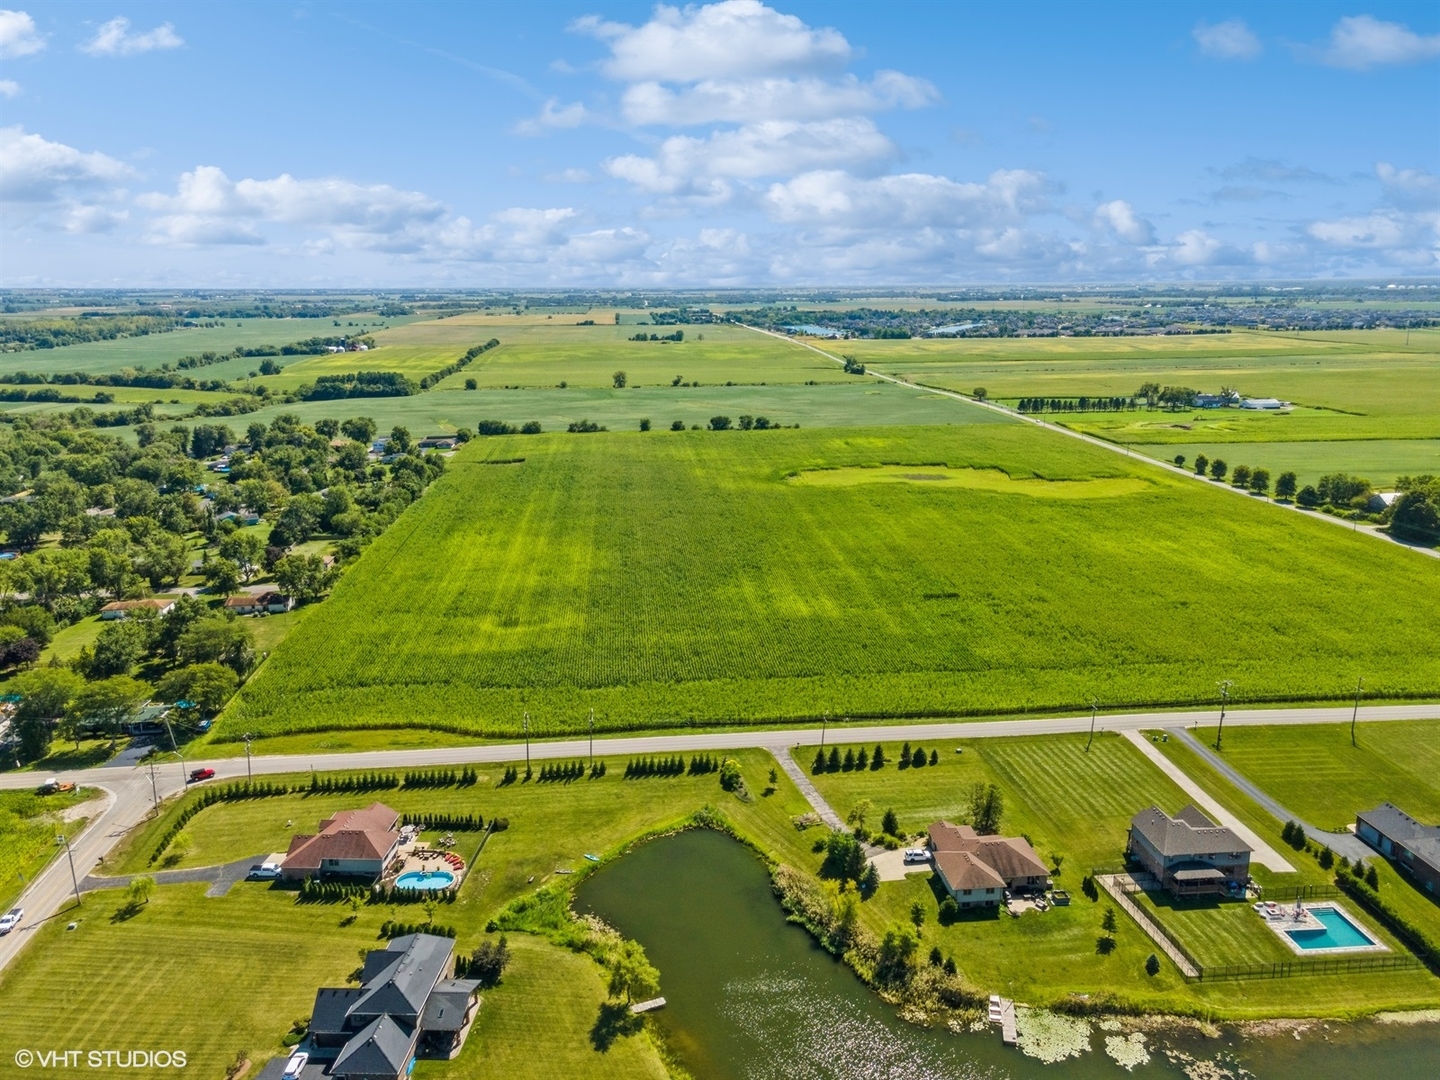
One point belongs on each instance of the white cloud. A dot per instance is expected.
(115, 39)
(1360, 42)
(9, 88)
(553, 116)
(1195, 247)
(1411, 188)
(772, 98)
(910, 200)
(90, 218)
(734, 38)
(1228, 40)
(210, 208)
(18, 36)
(683, 164)
(1119, 217)
(35, 170)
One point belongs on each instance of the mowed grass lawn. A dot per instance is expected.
(29, 824)
(666, 578)
(218, 976)
(1313, 771)
(1078, 806)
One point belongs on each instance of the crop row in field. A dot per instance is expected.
(676, 577)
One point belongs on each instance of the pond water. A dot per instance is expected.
(752, 997)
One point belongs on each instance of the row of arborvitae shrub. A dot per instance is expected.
(564, 772)
(452, 822)
(388, 894)
(639, 767)
(433, 778)
(702, 764)
(390, 929)
(243, 789)
(370, 781)
(1414, 938)
(331, 892)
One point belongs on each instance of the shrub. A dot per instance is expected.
(949, 911)
(890, 824)
(1152, 965)
(486, 964)
(877, 759)
(730, 777)
(918, 759)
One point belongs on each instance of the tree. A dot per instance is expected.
(305, 577)
(45, 695)
(869, 880)
(246, 551)
(1179, 461)
(471, 384)
(918, 759)
(917, 913)
(719, 423)
(1260, 481)
(399, 440)
(818, 765)
(208, 685)
(645, 424)
(1308, 497)
(877, 759)
(1416, 514)
(896, 959)
(1218, 468)
(844, 857)
(934, 757)
(359, 428)
(987, 807)
(890, 824)
(979, 393)
(38, 624)
(1371, 878)
(300, 518)
(1285, 485)
(1341, 489)
(106, 705)
(139, 891)
(730, 776)
(218, 641)
(1107, 921)
(163, 558)
(618, 379)
(1240, 478)
(488, 962)
(632, 974)
(677, 425)
(121, 645)
(937, 958)
(1152, 965)
(859, 812)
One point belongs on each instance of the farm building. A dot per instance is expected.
(352, 844)
(1269, 403)
(1189, 854)
(1413, 847)
(976, 870)
(123, 609)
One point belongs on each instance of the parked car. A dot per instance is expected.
(914, 855)
(265, 871)
(197, 775)
(11, 919)
(296, 1065)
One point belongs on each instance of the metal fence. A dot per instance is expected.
(1320, 965)
(1302, 892)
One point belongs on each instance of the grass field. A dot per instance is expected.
(29, 824)
(1078, 806)
(1315, 772)
(1380, 461)
(671, 578)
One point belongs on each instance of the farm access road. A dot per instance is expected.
(1114, 448)
(135, 789)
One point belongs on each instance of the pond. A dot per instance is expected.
(752, 997)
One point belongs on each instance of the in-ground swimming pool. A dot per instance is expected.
(1338, 932)
(425, 879)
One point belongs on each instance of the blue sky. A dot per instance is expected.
(621, 144)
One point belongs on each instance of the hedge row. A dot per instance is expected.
(330, 892)
(243, 789)
(390, 929)
(639, 767)
(436, 778)
(1414, 938)
(445, 822)
(450, 369)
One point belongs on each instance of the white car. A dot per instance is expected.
(296, 1065)
(914, 855)
(11, 919)
(265, 871)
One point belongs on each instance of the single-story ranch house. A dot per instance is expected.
(254, 603)
(976, 870)
(405, 1004)
(121, 609)
(1413, 847)
(1189, 854)
(355, 844)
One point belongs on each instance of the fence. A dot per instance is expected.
(1302, 892)
(1319, 965)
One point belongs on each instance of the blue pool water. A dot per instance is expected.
(425, 879)
(1339, 932)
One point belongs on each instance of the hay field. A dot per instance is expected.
(670, 578)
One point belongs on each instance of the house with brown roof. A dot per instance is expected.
(351, 844)
(1189, 854)
(123, 609)
(977, 870)
(255, 603)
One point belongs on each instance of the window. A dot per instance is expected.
(967, 892)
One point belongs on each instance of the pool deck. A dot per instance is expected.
(1286, 921)
(420, 858)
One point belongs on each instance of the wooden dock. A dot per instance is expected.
(1002, 1012)
(648, 1006)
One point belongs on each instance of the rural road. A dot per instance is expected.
(50, 895)
(1114, 448)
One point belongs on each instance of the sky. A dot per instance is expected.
(734, 144)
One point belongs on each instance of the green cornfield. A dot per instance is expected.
(667, 579)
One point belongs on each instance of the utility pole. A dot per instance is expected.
(1355, 715)
(592, 739)
(65, 840)
(1094, 708)
(154, 791)
(184, 780)
(247, 737)
(1224, 701)
(824, 719)
(526, 725)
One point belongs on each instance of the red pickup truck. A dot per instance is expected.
(201, 774)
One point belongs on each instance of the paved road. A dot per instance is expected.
(1114, 448)
(50, 893)
(1263, 853)
(1340, 843)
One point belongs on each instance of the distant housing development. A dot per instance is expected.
(1189, 854)
(1413, 847)
(976, 870)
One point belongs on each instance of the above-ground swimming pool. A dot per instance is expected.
(425, 879)
(1338, 932)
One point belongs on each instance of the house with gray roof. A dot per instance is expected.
(406, 1005)
(1413, 847)
(1189, 854)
